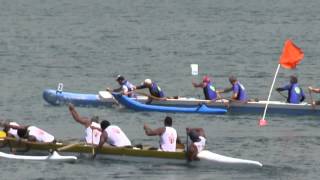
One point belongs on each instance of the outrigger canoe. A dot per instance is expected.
(207, 158)
(104, 98)
(138, 106)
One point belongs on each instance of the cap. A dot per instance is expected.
(120, 78)
(194, 136)
(206, 79)
(147, 81)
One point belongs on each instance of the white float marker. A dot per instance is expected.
(60, 87)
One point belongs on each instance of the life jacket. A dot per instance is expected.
(295, 94)
(240, 90)
(156, 91)
(210, 91)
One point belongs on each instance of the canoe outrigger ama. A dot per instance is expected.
(133, 154)
(105, 98)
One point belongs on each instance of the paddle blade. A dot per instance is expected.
(263, 122)
(194, 69)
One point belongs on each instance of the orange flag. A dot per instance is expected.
(291, 55)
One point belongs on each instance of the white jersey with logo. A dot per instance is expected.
(40, 135)
(13, 132)
(96, 134)
(116, 136)
(201, 144)
(168, 139)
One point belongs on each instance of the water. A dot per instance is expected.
(85, 44)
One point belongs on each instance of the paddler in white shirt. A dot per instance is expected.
(198, 144)
(168, 135)
(31, 133)
(113, 135)
(91, 126)
(11, 132)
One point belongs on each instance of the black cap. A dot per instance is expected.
(120, 78)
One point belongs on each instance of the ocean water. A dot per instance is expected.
(85, 44)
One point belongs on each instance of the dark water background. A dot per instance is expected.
(85, 44)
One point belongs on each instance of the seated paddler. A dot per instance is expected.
(198, 142)
(239, 93)
(168, 135)
(208, 87)
(11, 132)
(125, 88)
(32, 133)
(113, 135)
(154, 89)
(92, 130)
(295, 93)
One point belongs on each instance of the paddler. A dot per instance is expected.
(11, 132)
(113, 135)
(295, 93)
(209, 90)
(198, 143)
(154, 89)
(91, 126)
(168, 135)
(238, 91)
(32, 133)
(125, 88)
(315, 90)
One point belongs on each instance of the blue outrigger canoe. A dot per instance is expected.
(104, 98)
(57, 98)
(138, 106)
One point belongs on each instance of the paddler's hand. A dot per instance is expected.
(310, 88)
(145, 126)
(71, 106)
(108, 89)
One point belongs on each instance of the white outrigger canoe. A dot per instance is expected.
(144, 154)
(105, 98)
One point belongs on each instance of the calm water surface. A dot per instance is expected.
(85, 44)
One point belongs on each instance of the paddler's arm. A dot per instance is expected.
(192, 153)
(82, 120)
(225, 90)
(316, 90)
(103, 139)
(153, 132)
(196, 85)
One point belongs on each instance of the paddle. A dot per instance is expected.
(150, 96)
(66, 147)
(282, 94)
(312, 104)
(187, 145)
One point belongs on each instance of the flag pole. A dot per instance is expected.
(263, 122)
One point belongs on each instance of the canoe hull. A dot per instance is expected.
(104, 98)
(56, 98)
(135, 154)
(138, 106)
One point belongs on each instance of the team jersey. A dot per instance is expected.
(168, 139)
(117, 137)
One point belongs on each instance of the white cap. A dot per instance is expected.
(147, 81)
